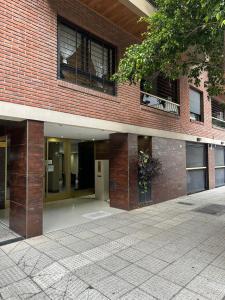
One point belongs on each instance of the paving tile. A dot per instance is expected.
(55, 235)
(14, 247)
(134, 275)
(40, 296)
(80, 246)
(50, 275)
(113, 263)
(219, 261)
(11, 275)
(6, 262)
(200, 255)
(147, 247)
(160, 288)
(26, 253)
(91, 273)
(130, 254)
(91, 294)
(207, 288)
(137, 294)
(75, 262)
(113, 247)
(128, 240)
(113, 235)
(188, 295)
(46, 246)
(100, 230)
(96, 254)
(152, 264)
(23, 289)
(68, 287)
(67, 240)
(113, 287)
(166, 255)
(98, 240)
(84, 234)
(37, 240)
(182, 271)
(215, 273)
(33, 265)
(59, 253)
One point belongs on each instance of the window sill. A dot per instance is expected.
(159, 111)
(197, 122)
(87, 91)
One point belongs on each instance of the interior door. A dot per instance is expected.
(3, 154)
(86, 165)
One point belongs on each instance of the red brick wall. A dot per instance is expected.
(28, 68)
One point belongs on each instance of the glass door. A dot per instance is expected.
(57, 169)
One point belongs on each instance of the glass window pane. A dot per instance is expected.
(219, 156)
(195, 102)
(220, 177)
(195, 155)
(196, 181)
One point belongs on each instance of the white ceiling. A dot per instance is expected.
(74, 132)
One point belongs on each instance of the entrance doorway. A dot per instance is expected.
(3, 171)
(6, 235)
(69, 168)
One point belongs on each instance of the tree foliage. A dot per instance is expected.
(183, 38)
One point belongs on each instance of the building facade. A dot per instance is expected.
(60, 112)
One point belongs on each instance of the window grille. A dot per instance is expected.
(85, 59)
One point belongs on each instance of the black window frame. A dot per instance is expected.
(199, 118)
(89, 37)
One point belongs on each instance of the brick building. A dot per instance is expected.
(59, 112)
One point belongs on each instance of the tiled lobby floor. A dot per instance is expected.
(166, 251)
(74, 211)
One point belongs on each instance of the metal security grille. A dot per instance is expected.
(84, 59)
(196, 166)
(220, 166)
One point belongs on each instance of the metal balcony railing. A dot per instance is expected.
(159, 103)
(218, 122)
(218, 114)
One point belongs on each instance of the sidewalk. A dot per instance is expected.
(165, 251)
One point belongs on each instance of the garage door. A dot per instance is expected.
(196, 166)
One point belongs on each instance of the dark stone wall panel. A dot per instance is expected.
(172, 182)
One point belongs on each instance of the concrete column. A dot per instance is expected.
(27, 178)
(123, 171)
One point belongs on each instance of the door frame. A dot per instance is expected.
(3, 144)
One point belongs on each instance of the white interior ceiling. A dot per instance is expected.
(74, 132)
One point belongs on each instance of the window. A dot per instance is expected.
(163, 94)
(220, 166)
(84, 59)
(196, 165)
(196, 103)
